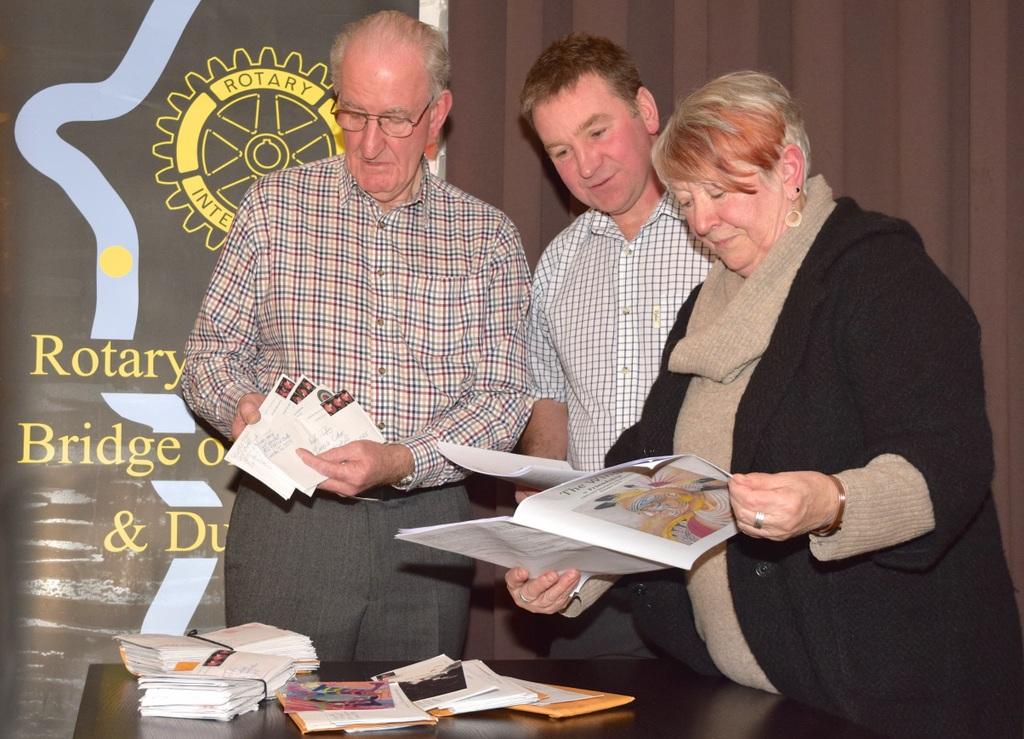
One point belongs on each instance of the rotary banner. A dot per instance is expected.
(131, 130)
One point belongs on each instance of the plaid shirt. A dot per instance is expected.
(417, 311)
(602, 309)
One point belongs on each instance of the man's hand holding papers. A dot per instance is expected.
(296, 415)
(360, 465)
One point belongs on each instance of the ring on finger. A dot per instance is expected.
(759, 519)
(522, 597)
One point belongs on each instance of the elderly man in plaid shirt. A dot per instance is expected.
(607, 288)
(369, 274)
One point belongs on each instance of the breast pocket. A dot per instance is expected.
(439, 325)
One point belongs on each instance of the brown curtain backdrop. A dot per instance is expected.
(914, 108)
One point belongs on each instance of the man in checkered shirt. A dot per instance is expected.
(368, 274)
(607, 289)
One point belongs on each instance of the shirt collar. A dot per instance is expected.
(420, 204)
(603, 224)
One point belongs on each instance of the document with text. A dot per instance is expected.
(640, 516)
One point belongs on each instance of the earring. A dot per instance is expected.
(794, 218)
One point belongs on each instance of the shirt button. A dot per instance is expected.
(625, 370)
(382, 370)
(639, 589)
(380, 273)
(380, 321)
(381, 425)
(381, 225)
(626, 311)
(763, 569)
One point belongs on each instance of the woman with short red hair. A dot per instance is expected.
(829, 360)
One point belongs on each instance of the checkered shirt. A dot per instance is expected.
(417, 311)
(601, 312)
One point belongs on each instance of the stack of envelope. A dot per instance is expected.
(263, 639)
(225, 685)
(150, 654)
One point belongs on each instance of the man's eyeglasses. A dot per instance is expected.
(391, 125)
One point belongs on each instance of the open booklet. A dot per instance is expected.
(640, 516)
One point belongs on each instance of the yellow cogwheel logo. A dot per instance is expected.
(237, 124)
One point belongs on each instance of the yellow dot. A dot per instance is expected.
(115, 261)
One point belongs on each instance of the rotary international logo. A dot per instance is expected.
(235, 125)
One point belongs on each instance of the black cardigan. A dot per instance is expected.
(874, 352)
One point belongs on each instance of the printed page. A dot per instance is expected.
(532, 472)
(670, 511)
(504, 542)
(392, 711)
(632, 518)
(495, 691)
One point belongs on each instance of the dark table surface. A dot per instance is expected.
(670, 702)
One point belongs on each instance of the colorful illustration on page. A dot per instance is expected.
(673, 503)
(336, 696)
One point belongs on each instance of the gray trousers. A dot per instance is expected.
(331, 568)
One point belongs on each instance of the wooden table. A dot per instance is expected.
(670, 702)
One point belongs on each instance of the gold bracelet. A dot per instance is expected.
(837, 522)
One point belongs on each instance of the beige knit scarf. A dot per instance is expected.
(728, 332)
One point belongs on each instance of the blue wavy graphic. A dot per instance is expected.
(35, 132)
(186, 493)
(117, 286)
(178, 596)
(162, 412)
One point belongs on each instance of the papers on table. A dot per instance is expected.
(446, 687)
(350, 706)
(432, 681)
(552, 694)
(531, 472)
(222, 684)
(225, 685)
(500, 691)
(146, 654)
(298, 414)
(561, 702)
